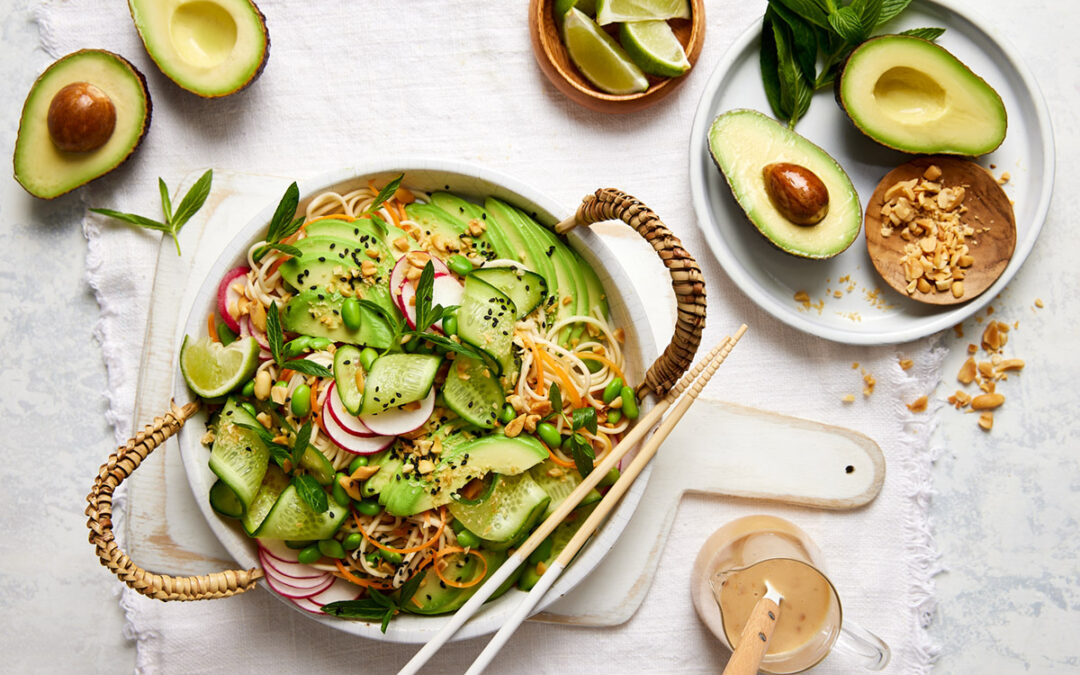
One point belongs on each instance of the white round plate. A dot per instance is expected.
(469, 181)
(842, 288)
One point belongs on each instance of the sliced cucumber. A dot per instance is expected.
(271, 488)
(238, 456)
(524, 288)
(486, 321)
(435, 597)
(555, 543)
(224, 500)
(560, 485)
(292, 518)
(317, 465)
(472, 392)
(509, 513)
(346, 365)
(397, 379)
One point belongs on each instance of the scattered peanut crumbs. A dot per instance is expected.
(906, 364)
(986, 374)
(869, 382)
(1039, 303)
(918, 405)
(959, 330)
(854, 365)
(1005, 178)
(849, 398)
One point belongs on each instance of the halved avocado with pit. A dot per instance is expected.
(83, 118)
(912, 95)
(743, 143)
(212, 48)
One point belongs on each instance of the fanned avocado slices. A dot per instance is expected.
(211, 48)
(83, 118)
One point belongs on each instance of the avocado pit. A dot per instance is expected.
(81, 118)
(796, 192)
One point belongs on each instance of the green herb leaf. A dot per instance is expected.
(303, 437)
(279, 453)
(583, 454)
(166, 203)
(845, 21)
(555, 397)
(306, 366)
(770, 75)
(584, 418)
(425, 316)
(381, 599)
(273, 332)
(380, 223)
(804, 44)
(290, 229)
(386, 619)
(930, 34)
(807, 9)
(890, 9)
(283, 214)
(287, 249)
(133, 219)
(787, 74)
(386, 193)
(409, 588)
(192, 201)
(456, 347)
(364, 609)
(311, 492)
(870, 12)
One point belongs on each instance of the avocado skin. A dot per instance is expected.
(142, 133)
(254, 76)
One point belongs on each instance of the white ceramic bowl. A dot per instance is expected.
(469, 181)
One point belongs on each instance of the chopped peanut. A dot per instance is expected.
(987, 401)
(906, 364)
(986, 421)
(918, 405)
(967, 372)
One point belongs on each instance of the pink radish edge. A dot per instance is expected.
(350, 423)
(226, 296)
(397, 421)
(357, 445)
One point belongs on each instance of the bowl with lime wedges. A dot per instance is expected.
(616, 56)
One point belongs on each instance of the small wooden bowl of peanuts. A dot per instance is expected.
(940, 230)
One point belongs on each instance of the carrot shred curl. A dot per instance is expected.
(366, 583)
(558, 460)
(568, 383)
(457, 549)
(211, 327)
(604, 360)
(412, 549)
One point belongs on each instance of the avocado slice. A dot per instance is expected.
(435, 597)
(912, 95)
(318, 313)
(743, 143)
(212, 48)
(493, 243)
(60, 113)
(328, 265)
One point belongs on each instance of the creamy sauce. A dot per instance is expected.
(807, 597)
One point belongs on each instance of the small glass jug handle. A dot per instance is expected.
(856, 641)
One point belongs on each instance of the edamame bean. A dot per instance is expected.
(368, 507)
(320, 343)
(507, 414)
(301, 401)
(629, 403)
(250, 408)
(466, 539)
(338, 492)
(610, 477)
(352, 541)
(593, 365)
(390, 556)
(613, 389)
(297, 545)
(350, 313)
(613, 416)
(549, 434)
(449, 324)
(225, 334)
(358, 461)
(542, 552)
(456, 526)
(310, 555)
(297, 346)
(331, 548)
(367, 357)
(459, 264)
(249, 389)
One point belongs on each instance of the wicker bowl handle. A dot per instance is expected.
(120, 465)
(686, 279)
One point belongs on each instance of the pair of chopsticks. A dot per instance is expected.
(695, 380)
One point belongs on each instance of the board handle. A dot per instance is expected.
(112, 473)
(686, 279)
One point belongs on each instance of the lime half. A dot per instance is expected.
(599, 57)
(563, 6)
(654, 48)
(610, 11)
(213, 370)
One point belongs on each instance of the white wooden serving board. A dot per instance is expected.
(758, 455)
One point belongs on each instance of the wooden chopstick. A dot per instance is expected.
(636, 433)
(606, 505)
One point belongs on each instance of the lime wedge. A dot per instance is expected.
(599, 57)
(564, 6)
(654, 48)
(610, 11)
(212, 370)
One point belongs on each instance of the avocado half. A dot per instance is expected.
(211, 48)
(912, 95)
(743, 143)
(41, 166)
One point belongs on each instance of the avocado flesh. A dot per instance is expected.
(914, 96)
(743, 142)
(43, 169)
(211, 48)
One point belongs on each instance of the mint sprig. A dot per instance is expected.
(283, 225)
(174, 220)
(377, 606)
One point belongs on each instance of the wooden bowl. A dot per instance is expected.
(987, 206)
(555, 61)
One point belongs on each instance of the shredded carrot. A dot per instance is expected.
(319, 421)
(211, 327)
(457, 549)
(604, 360)
(366, 583)
(404, 196)
(557, 459)
(401, 210)
(538, 363)
(569, 389)
(332, 216)
(286, 374)
(411, 549)
(393, 215)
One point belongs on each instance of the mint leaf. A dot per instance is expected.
(283, 214)
(930, 34)
(192, 201)
(770, 74)
(166, 203)
(869, 15)
(555, 397)
(583, 454)
(306, 367)
(890, 9)
(133, 219)
(424, 291)
(287, 249)
(409, 588)
(303, 438)
(364, 609)
(311, 492)
(279, 453)
(807, 9)
(846, 22)
(584, 418)
(273, 332)
(384, 194)
(804, 44)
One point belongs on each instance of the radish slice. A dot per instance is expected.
(357, 445)
(397, 421)
(284, 561)
(350, 423)
(338, 591)
(246, 329)
(397, 275)
(290, 588)
(227, 296)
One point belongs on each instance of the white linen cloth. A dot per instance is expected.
(458, 80)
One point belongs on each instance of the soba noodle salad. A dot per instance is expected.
(403, 385)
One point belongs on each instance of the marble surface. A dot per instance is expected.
(1006, 504)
